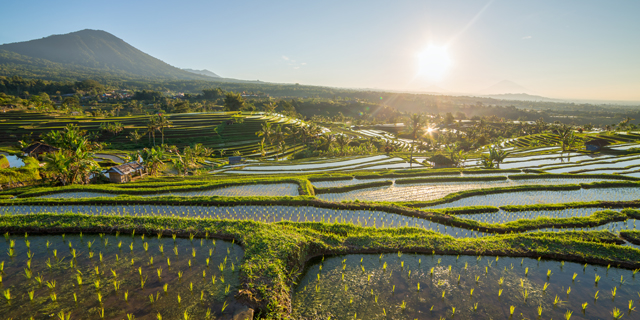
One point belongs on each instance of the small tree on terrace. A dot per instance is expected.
(162, 122)
(233, 101)
(416, 122)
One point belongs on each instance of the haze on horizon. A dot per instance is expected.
(569, 49)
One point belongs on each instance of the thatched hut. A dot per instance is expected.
(38, 148)
(126, 172)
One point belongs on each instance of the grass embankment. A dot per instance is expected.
(632, 236)
(570, 205)
(27, 173)
(4, 162)
(407, 173)
(445, 217)
(304, 187)
(571, 176)
(275, 253)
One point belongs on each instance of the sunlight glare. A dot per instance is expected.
(434, 62)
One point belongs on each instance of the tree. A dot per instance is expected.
(279, 135)
(162, 122)
(117, 109)
(233, 101)
(153, 159)
(416, 122)
(497, 155)
(152, 126)
(343, 141)
(135, 136)
(266, 132)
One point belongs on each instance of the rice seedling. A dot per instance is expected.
(613, 293)
(616, 313)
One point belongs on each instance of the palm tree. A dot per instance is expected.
(117, 109)
(152, 126)
(343, 141)
(497, 155)
(163, 122)
(153, 159)
(279, 136)
(416, 122)
(57, 166)
(266, 132)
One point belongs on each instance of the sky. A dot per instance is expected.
(561, 49)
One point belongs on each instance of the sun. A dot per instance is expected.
(434, 62)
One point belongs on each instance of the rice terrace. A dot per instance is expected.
(133, 189)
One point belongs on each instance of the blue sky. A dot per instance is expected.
(564, 49)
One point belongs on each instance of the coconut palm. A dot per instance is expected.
(266, 132)
(152, 126)
(497, 155)
(416, 122)
(163, 122)
(279, 136)
(343, 141)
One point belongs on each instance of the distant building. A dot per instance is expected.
(235, 160)
(126, 172)
(596, 144)
(38, 148)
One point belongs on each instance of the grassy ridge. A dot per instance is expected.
(631, 236)
(573, 176)
(304, 187)
(4, 162)
(26, 173)
(276, 253)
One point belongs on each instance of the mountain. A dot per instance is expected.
(505, 87)
(521, 97)
(434, 89)
(203, 72)
(84, 53)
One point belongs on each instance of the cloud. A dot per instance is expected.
(292, 63)
(527, 38)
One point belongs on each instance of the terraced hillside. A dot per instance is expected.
(186, 129)
(544, 236)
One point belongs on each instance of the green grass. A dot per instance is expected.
(304, 187)
(4, 162)
(631, 236)
(27, 173)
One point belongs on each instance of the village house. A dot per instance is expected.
(126, 172)
(38, 148)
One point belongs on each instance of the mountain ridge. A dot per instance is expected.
(87, 52)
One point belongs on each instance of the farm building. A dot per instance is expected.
(596, 144)
(38, 148)
(126, 172)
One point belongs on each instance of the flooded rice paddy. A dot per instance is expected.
(118, 277)
(433, 191)
(420, 286)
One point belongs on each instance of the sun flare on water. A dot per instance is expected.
(434, 63)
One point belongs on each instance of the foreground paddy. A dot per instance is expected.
(118, 275)
(409, 286)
